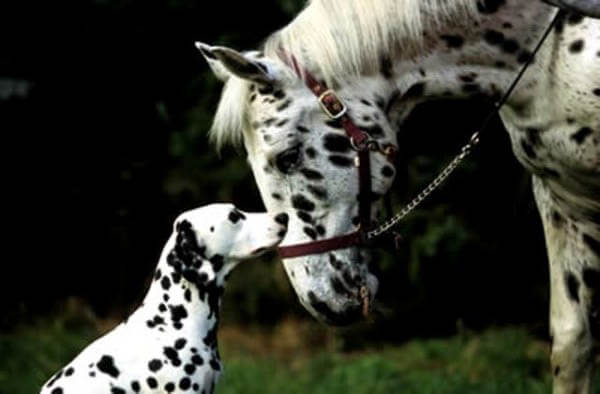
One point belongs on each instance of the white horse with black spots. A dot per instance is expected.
(385, 57)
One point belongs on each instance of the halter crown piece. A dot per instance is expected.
(360, 141)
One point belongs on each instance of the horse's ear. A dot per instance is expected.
(226, 62)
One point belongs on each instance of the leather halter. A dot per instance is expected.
(360, 141)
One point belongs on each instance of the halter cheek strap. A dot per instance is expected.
(360, 141)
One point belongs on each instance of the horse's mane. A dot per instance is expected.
(341, 39)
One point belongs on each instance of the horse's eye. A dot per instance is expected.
(288, 160)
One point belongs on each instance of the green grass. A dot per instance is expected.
(496, 361)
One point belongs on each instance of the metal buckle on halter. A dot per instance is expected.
(335, 109)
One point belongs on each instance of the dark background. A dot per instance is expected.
(104, 109)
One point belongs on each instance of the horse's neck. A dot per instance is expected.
(483, 61)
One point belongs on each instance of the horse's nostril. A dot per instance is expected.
(282, 219)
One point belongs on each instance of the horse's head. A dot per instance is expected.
(304, 165)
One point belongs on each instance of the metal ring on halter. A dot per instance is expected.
(364, 145)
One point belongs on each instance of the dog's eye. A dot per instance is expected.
(287, 161)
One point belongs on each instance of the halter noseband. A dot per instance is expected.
(361, 142)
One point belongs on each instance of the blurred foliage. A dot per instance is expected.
(109, 143)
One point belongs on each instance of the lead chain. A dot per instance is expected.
(435, 184)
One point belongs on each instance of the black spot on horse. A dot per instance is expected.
(302, 203)
(572, 286)
(318, 192)
(574, 18)
(510, 46)
(592, 244)
(415, 91)
(305, 217)
(453, 41)
(311, 174)
(106, 365)
(493, 37)
(528, 149)
(580, 136)
(338, 286)
(284, 105)
(596, 92)
(311, 153)
(489, 6)
(277, 196)
(576, 46)
(310, 232)
(336, 318)
(336, 143)
(302, 129)
(387, 171)
(282, 219)
(386, 68)
(341, 161)
(524, 56)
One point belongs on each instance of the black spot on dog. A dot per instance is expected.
(180, 343)
(557, 370)
(178, 313)
(117, 390)
(189, 369)
(69, 371)
(135, 386)
(106, 365)
(154, 365)
(336, 143)
(165, 283)
(572, 286)
(197, 360)
(576, 46)
(152, 383)
(341, 161)
(217, 262)
(592, 244)
(157, 274)
(170, 387)
(185, 383)
(235, 216)
(580, 136)
(214, 364)
(302, 203)
(57, 390)
(453, 41)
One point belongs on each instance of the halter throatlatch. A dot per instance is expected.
(335, 109)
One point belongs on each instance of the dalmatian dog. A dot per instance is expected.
(169, 344)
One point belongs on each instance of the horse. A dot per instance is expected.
(376, 61)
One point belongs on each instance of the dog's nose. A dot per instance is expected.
(282, 219)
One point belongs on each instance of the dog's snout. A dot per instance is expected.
(282, 219)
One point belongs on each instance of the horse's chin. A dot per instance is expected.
(334, 290)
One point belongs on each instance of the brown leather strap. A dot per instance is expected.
(335, 108)
(317, 247)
